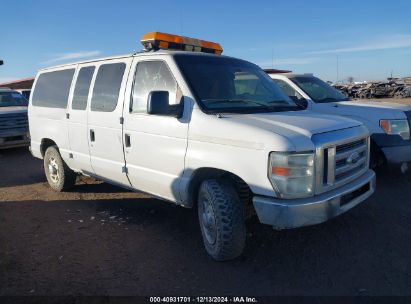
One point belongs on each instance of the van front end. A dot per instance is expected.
(395, 143)
(313, 187)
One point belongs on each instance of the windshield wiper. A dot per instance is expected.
(214, 101)
(267, 105)
(261, 106)
(327, 99)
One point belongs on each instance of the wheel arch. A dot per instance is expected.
(46, 143)
(202, 174)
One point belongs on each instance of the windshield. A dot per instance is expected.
(318, 90)
(223, 84)
(12, 98)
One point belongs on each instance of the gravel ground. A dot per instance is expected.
(102, 240)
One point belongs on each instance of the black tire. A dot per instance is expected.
(59, 176)
(226, 240)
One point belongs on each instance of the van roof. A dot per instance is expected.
(142, 53)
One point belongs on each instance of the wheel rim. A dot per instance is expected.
(53, 168)
(208, 221)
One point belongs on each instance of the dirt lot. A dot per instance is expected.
(101, 240)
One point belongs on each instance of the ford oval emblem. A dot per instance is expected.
(353, 158)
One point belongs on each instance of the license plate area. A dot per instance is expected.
(349, 197)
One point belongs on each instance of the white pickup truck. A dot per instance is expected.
(388, 123)
(185, 124)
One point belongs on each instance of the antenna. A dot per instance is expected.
(272, 58)
(338, 69)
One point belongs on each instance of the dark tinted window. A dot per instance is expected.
(12, 98)
(223, 84)
(107, 87)
(52, 89)
(82, 88)
(151, 76)
(318, 90)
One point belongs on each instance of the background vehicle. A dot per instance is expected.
(13, 119)
(388, 123)
(199, 130)
(25, 93)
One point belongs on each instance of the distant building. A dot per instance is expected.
(21, 84)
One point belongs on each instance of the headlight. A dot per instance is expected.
(396, 126)
(292, 174)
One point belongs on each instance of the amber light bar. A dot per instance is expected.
(157, 40)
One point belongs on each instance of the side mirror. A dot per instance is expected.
(301, 102)
(158, 104)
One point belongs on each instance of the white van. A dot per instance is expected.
(200, 130)
(388, 123)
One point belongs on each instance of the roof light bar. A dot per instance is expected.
(157, 40)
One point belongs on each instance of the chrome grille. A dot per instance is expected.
(13, 123)
(350, 159)
(340, 160)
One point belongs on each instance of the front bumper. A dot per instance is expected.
(14, 140)
(395, 149)
(283, 214)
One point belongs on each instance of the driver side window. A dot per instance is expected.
(151, 76)
(288, 90)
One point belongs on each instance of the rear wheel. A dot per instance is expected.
(59, 176)
(221, 217)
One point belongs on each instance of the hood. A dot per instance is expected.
(373, 109)
(280, 131)
(13, 110)
(304, 123)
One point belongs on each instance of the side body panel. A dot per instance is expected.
(105, 134)
(48, 123)
(157, 144)
(78, 130)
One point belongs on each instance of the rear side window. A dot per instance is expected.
(82, 88)
(151, 76)
(107, 87)
(52, 89)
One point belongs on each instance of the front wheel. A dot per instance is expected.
(221, 217)
(59, 175)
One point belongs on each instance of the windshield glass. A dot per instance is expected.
(12, 98)
(318, 90)
(224, 84)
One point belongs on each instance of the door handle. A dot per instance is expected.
(92, 135)
(127, 140)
